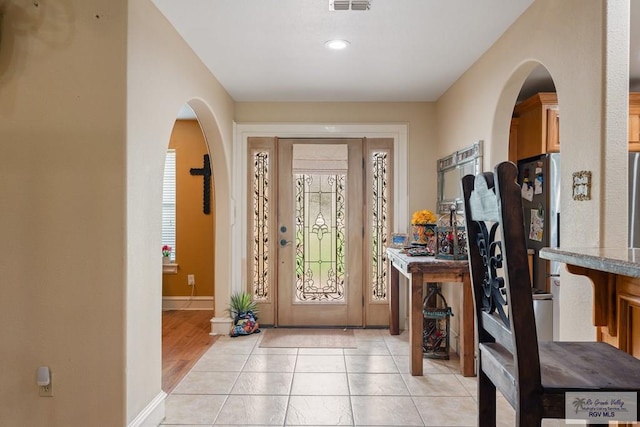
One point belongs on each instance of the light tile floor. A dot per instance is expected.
(236, 382)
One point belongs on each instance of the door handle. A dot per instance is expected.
(285, 242)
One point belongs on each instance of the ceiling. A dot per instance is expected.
(400, 51)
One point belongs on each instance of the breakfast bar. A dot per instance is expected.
(427, 269)
(615, 274)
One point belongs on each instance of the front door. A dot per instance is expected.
(320, 232)
(319, 219)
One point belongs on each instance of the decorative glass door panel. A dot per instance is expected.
(261, 226)
(320, 232)
(378, 160)
(320, 238)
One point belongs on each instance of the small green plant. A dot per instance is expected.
(241, 302)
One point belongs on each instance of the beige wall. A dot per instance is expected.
(566, 37)
(62, 186)
(194, 229)
(85, 118)
(163, 74)
(419, 116)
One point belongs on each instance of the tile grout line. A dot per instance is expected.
(226, 399)
(405, 383)
(293, 376)
(346, 374)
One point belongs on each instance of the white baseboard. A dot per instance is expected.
(153, 414)
(187, 303)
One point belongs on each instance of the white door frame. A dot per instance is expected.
(243, 131)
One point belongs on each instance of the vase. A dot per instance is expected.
(166, 260)
(424, 235)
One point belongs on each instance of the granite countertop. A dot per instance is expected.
(611, 260)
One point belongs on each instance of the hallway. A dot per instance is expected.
(236, 382)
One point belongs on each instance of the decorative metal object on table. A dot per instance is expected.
(451, 235)
(436, 324)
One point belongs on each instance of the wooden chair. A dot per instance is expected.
(533, 376)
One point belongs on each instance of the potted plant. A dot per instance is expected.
(241, 302)
(243, 309)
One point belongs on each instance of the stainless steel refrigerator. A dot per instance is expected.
(634, 200)
(539, 178)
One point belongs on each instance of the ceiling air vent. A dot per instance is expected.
(349, 4)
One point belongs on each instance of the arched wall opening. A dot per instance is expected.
(189, 279)
(528, 110)
(221, 199)
(188, 218)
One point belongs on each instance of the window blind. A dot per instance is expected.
(169, 202)
(320, 158)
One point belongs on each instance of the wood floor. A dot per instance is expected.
(185, 338)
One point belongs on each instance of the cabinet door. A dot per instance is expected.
(513, 140)
(634, 131)
(627, 316)
(634, 121)
(553, 130)
(537, 129)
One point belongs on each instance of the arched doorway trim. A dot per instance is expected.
(504, 110)
(501, 132)
(220, 160)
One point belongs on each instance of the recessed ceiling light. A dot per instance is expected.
(337, 44)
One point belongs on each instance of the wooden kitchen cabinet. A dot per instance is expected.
(553, 129)
(513, 140)
(634, 121)
(538, 125)
(535, 127)
(627, 298)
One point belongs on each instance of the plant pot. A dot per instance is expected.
(166, 260)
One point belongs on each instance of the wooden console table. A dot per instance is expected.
(615, 274)
(425, 269)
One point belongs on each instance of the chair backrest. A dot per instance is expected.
(498, 263)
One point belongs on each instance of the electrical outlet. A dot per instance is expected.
(46, 390)
(191, 280)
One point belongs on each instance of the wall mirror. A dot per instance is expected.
(451, 169)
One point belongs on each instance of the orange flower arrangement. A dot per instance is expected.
(423, 217)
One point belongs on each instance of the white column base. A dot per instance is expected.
(221, 325)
